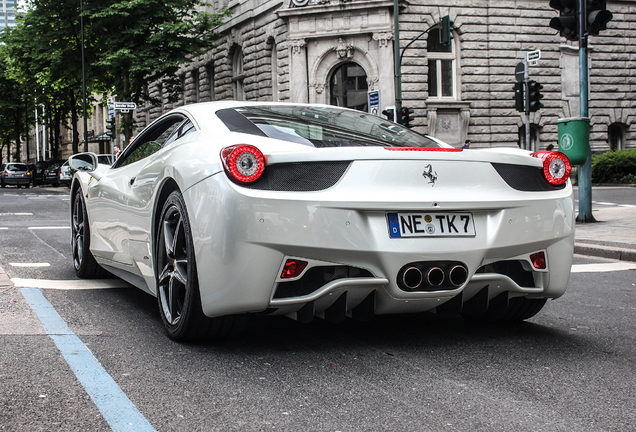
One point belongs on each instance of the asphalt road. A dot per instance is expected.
(571, 368)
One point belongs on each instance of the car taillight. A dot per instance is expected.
(6, 173)
(538, 260)
(243, 163)
(556, 166)
(293, 268)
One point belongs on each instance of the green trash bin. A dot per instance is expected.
(574, 138)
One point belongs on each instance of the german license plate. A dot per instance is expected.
(431, 224)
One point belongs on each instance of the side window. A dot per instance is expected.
(183, 129)
(150, 142)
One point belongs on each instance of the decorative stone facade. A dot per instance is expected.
(289, 50)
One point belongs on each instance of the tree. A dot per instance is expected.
(11, 109)
(138, 43)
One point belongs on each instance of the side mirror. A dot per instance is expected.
(84, 162)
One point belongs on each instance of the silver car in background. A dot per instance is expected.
(15, 173)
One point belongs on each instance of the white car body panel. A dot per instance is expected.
(242, 236)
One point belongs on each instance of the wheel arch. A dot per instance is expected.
(169, 186)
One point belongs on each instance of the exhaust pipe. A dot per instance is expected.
(457, 274)
(412, 278)
(432, 276)
(435, 276)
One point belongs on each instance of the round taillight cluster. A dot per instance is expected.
(556, 166)
(243, 163)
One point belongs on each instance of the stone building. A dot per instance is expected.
(336, 51)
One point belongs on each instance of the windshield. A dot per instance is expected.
(321, 126)
(16, 167)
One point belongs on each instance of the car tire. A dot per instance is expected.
(83, 261)
(178, 293)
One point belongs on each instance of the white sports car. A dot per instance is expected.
(226, 209)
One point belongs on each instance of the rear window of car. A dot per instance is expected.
(16, 167)
(321, 126)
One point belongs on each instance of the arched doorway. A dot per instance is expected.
(348, 87)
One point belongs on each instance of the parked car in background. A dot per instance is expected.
(52, 173)
(39, 170)
(64, 174)
(14, 173)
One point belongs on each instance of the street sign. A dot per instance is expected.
(125, 106)
(374, 102)
(533, 57)
(111, 111)
(520, 72)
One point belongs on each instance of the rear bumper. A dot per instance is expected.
(242, 239)
(17, 181)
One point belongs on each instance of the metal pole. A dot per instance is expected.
(37, 133)
(396, 54)
(585, 170)
(84, 77)
(526, 80)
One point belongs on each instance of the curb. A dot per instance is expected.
(605, 252)
(5, 282)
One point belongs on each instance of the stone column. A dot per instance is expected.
(298, 71)
(386, 72)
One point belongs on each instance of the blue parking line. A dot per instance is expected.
(118, 411)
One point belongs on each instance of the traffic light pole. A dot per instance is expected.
(585, 170)
(397, 61)
(526, 80)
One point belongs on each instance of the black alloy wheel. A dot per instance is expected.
(178, 293)
(83, 261)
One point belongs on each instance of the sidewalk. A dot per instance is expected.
(612, 236)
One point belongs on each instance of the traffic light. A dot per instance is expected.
(534, 96)
(406, 117)
(389, 113)
(110, 127)
(597, 16)
(567, 22)
(445, 34)
(520, 101)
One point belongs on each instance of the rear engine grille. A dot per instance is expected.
(300, 176)
(525, 178)
(317, 277)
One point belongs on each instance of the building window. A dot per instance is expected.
(274, 65)
(195, 85)
(238, 76)
(348, 87)
(616, 136)
(442, 73)
(209, 69)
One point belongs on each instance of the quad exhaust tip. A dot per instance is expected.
(432, 276)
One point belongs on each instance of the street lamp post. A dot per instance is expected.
(83, 77)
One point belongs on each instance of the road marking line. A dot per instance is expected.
(603, 267)
(68, 285)
(30, 264)
(4, 228)
(49, 227)
(118, 411)
(16, 214)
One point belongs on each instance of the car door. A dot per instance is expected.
(143, 175)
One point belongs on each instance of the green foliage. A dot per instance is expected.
(128, 44)
(614, 167)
